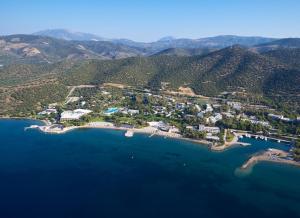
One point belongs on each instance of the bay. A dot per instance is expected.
(101, 173)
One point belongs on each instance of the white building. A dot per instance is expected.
(48, 111)
(212, 138)
(235, 105)
(257, 122)
(209, 108)
(74, 115)
(275, 116)
(227, 114)
(133, 112)
(160, 125)
(208, 129)
(198, 108)
(279, 117)
(215, 118)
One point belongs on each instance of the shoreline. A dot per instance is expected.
(145, 130)
(228, 145)
(271, 155)
(151, 131)
(24, 118)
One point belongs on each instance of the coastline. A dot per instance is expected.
(271, 155)
(228, 145)
(151, 131)
(24, 118)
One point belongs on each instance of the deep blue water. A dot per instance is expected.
(100, 173)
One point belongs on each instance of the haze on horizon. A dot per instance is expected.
(150, 20)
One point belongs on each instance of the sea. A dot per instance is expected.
(101, 173)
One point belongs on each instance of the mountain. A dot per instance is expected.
(217, 42)
(184, 51)
(234, 68)
(287, 56)
(231, 69)
(164, 43)
(37, 49)
(274, 75)
(69, 35)
(281, 43)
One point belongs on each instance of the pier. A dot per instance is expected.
(249, 135)
(31, 127)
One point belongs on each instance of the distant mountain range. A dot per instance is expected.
(59, 44)
(69, 35)
(37, 49)
(281, 43)
(167, 42)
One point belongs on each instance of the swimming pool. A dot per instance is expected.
(111, 110)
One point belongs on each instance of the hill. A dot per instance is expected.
(274, 75)
(69, 35)
(185, 51)
(35, 49)
(288, 56)
(230, 69)
(215, 42)
(277, 44)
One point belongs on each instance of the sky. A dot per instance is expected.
(149, 20)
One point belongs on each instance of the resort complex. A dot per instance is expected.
(217, 122)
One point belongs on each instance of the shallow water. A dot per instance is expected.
(101, 173)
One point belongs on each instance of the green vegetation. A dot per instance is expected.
(31, 99)
(229, 136)
(270, 77)
(194, 134)
(231, 123)
(296, 151)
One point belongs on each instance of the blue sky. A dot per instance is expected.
(148, 20)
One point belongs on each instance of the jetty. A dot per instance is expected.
(271, 155)
(31, 127)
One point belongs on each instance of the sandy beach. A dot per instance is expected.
(151, 131)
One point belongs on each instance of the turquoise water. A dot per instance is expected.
(101, 173)
(112, 110)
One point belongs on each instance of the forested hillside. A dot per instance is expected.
(272, 74)
(230, 69)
